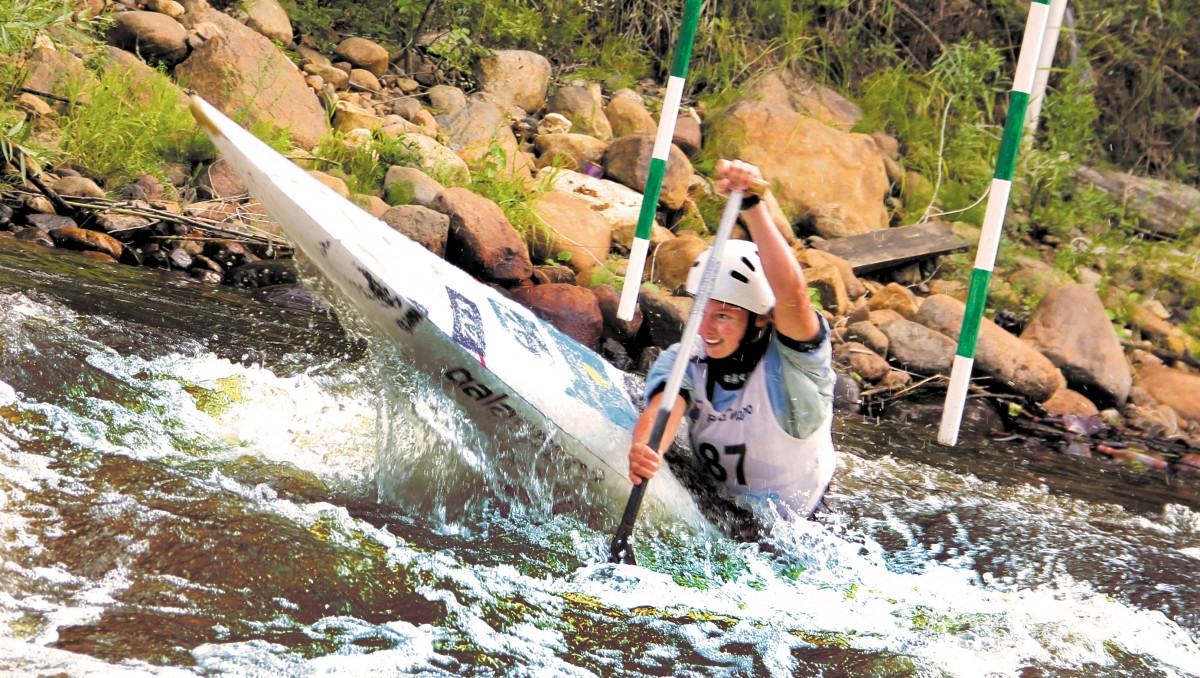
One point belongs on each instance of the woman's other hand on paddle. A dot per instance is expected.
(643, 462)
(735, 175)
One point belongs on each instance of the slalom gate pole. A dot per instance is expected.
(620, 551)
(993, 221)
(1037, 96)
(658, 161)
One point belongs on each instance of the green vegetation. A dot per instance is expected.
(123, 124)
(1123, 94)
(363, 166)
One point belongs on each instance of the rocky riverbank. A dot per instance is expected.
(581, 154)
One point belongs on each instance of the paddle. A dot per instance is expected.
(620, 550)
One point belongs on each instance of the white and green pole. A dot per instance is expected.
(658, 161)
(993, 221)
(1037, 96)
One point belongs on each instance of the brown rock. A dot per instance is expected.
(627, 161)
(670, 263)
(79, 187)
(219, 181)
(1066, 401)
(573, 227)
(687, 135)
(569, 151)
(1072, 329)
(662, 321)
(627, 114)
(34, 235)
(55, 72)
(549, 274)
(896, 380)
(609, 299)
(475, 128)
(424, 225)
(153, 36)
(869, 335)
(919, 348)
(336, 183)
(371, 204)
(812, 258)
(81, 239)
(585, 113)
(861, 361)
(572, 309)
(516, 76)
(827, 281)
(895, 297)
(1175, 388)
(363, 53)
(998, 353)
(481, 239)
(240, 70)
(125, 226)
(410, 186)
(808, 163)
(363, 80)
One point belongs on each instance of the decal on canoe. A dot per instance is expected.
(464, 382)
(525, 331)
(411, 312)
(598, 393)
(468, 324)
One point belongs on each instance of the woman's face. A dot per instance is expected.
(722, 328)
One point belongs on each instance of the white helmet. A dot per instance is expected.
(740, 280)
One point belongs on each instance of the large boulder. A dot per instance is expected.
(627, 161)
(142, 81)
(918, 348)
(628, 115)
(238, 70)
(475, 128)
(411, 186)
(1072, 329)
(808, 163)
(572, 309)
(670, 263)
(802, 94)
(618, 204)
(433, 157)
(516, 76)
(1178, 389)
(998, 353)
(421, 224)
(482, 241)
(623, 331)
(154, 36)
(569, 151)
(575, 228)
(363, 53)
(586, 114)
(55, 72)
(270, 19)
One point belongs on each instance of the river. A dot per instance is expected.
(195, 483)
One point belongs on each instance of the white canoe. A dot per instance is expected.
(517, 377)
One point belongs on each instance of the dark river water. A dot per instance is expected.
(196, 483)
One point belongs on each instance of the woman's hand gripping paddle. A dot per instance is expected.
(621, 551)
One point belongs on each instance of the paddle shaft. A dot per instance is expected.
(620, 549)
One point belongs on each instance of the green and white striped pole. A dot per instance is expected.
(658, 161)
(993, 221)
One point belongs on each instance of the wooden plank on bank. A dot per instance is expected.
(891, 247)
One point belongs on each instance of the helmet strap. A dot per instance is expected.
(732, 371)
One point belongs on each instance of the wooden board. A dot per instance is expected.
(893, 247)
